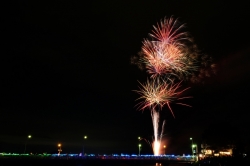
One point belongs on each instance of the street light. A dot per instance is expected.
(196, 150)
(59, 148)
(192, 146)
(84, 138)
(139, 148)
(164, 149)
(29, 136)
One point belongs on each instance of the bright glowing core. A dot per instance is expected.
(156, 148)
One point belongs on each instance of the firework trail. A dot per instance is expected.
(156, 93)
(156, 126)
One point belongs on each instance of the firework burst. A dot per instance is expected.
(156, 92)
(166, 53)
(169, 31)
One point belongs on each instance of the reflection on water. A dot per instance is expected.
(172, 164)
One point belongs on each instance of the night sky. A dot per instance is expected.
(66, 72)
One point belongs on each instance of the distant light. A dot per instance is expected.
(225, 153)
(29, 136)
(208, 152)
(85, 137)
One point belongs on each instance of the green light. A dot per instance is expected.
(85, 137)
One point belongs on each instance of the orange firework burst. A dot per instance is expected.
(163, 60)
(158, 93)
(169, 31)
(166, 53)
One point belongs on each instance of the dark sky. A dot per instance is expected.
(66, 73)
